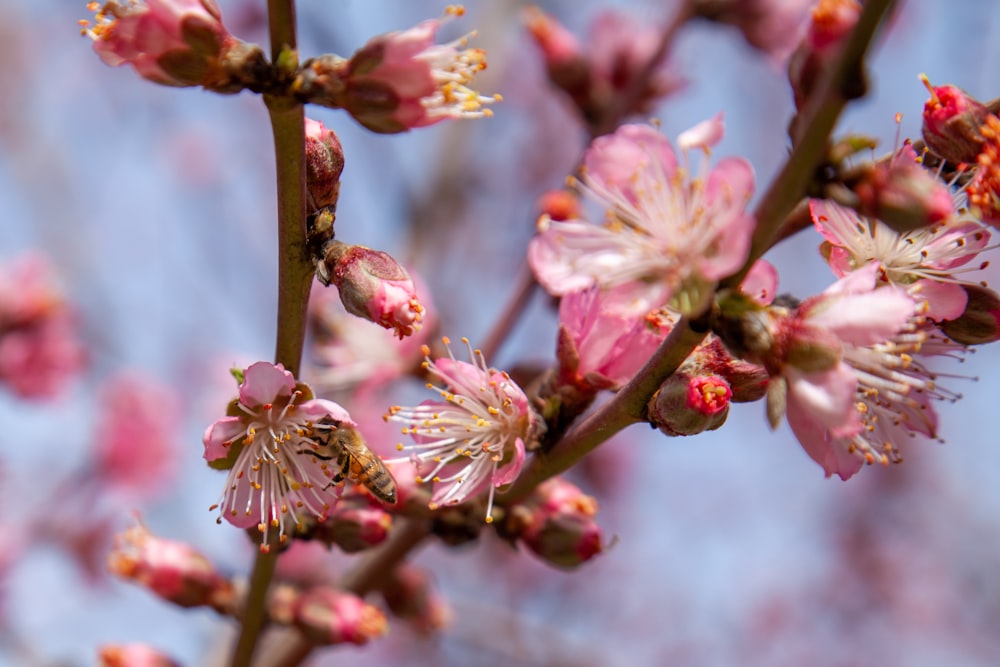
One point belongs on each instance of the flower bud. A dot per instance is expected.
(687, 404)
(902, 194)
(357, 522)
(400, 80)
(372, 286)
(559, 205)
(952, 122)
(556, 522)
(980, 323)
(132, 655)
(983, 192)
(410, 595)
(327, 616)
(747, 381)
(565, 61)
(173, 43)
(172, 570)
(832, 21)
(324, 164)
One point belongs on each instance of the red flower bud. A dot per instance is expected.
(832, 21)
(556, 522)
(372, 286)
(952, 122)
(357, 522)
(687, 404)
(327, 616)
(324, 164)
(902, 194)
(410, 595)
(133, 655)
(172, 570)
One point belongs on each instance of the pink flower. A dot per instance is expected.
(472, 439)
(675, 235)
(373, 286)
(830, 345)
(601, 343)
(39, 347)
(927, 262)
(267, 444)
(403, 80)
(134, 441)
(171, 42)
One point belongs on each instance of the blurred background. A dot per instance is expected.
(155, 209)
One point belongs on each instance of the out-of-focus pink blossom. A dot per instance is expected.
(133, 655)
(172, 570)
(952, 123)
(403, 80)
(773, 26)
(475, 437)
(831, 22)
(410, 594)
(619, 51)
(170, 42)
(672, 234)
(267, 444)
(40, 351)
(372, 285)
(927, 262)
(556, 522)
(603, 341)
(327, 616)
(134, 441)
(358, 522)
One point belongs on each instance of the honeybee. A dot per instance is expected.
(354, 460)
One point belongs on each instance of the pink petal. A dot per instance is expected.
(704, 135)
(761, 282)
(633, 157)
(219, 434)
(319, 408)
(263, 382)
(867, 319)
(825, 397)
(508, 472)
(945, 301)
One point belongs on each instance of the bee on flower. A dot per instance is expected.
(268, 443)
(475, 436)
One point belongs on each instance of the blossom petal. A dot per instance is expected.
(219, 435)
(945, 301)
(507, 473)
(263, 382)
(824, 397)
(704, 135)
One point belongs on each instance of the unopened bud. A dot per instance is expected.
(410, 594)
(687, 404)
(559, 205)
(357, 522)
(327, 616)
(172, 570)
(133, 655)
(952, 122)
(556, 522)
(372, 286)
(565, 62)
(324, 164)
(747, 381)
(902, 194)
(832, 21)
(980, 323)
